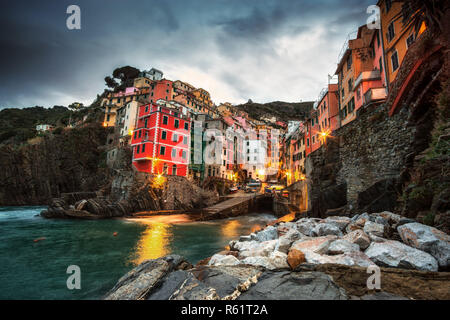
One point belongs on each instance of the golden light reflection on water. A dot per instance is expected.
(230, 229)
(154, 242)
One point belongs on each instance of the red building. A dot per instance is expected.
(161, 141)
(161, 89)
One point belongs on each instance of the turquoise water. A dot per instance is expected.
(104, 250)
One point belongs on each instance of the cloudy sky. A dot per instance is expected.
(236, 49)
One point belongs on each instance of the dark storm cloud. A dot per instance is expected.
(263, 50)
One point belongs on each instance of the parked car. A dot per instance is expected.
(233, 190)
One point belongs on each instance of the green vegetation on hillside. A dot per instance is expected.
(284, 111)
(19, 125)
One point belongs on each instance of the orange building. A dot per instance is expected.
(356, 73)
(397, 36)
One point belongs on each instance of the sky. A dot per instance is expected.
(275, 50)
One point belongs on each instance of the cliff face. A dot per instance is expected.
(70, 161)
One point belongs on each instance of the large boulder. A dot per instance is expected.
(267, 234)
(142, 280)
(358, 237)
(341, 246)
(325, 229)
(223, 260)
(278, 260)
(340, 222)
(261, 249)
(395, 254)
(306, 227)
(428, 239)
(374, 228)
(286, 240)
(294, 286)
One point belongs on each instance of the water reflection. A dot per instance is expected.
(164, 235)
(231, 229)
(154, 242)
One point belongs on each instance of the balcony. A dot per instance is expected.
(375, 94)
(367, 76)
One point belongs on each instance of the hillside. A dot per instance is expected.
(284, 111)
(19, 125)
(72, 160)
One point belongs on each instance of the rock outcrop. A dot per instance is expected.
(129, 193)
(72, 161)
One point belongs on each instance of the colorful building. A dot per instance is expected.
(397, 36)
(161, 141)
(357, 73)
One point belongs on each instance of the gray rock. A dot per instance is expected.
(382, 221)
(294, 286)
(398, 255)
(285, 241)
(358, 237)
(325, 229)
(374, 228)
(257, 261)
(306, 227)
(269, 233)
(340, 222)
(428, 239)
(220, 260)
(341, 246)
(140, 281)
(258, 249)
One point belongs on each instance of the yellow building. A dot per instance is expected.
(203, 96)
(397, 36)
(142, 82)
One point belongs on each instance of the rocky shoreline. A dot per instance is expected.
(307, 259)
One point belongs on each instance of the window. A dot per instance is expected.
(146, 108)
(307, 142)
(186, 126)
(143, 148)
(164, 135)
(140, 133)
(135, 134)
(138, 149)
(391, 32)
(185, 140)
(351, 105)
(177, 123)
(175, 137)
(349, 62)
(174, 170)
(145, 123)
(394, 60)
(350, 85)
(410, 40)
(162, 151)
(165, 120)
(381, 65)
(174, 153)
